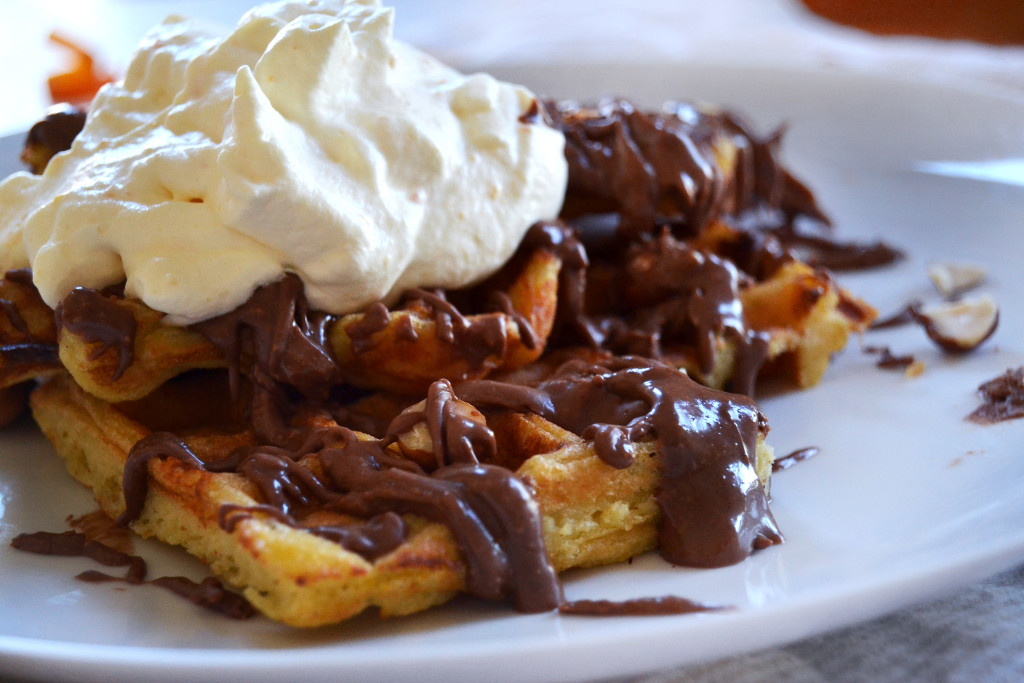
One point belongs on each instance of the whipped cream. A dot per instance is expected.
(306, 141)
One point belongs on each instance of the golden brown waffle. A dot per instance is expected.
(593, 514)
(805, 314)
(135, 378)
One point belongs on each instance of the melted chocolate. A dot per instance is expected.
(653, 168)
(375, 319)
(455, 438)
(787, 461)
(373, 539)
(632, 173)
(135, 481)
(98, 526)
(639, 607)
(668, 294)
(286, 341)
(97, 319)
(32, 351)
(904, 316)
(886, 358)
(1003, 398)
(51, 135)
(828, 253)
(491, 513)
(476, 339)
(714, 510)
(209, 594)
(30, 354)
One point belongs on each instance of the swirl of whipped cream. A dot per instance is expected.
(306, 141)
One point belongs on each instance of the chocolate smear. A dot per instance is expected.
(888, 360)
(637, 607)
(97, 319)
(209, 594)
(797, 456)
(714, 510)
(1002, 398)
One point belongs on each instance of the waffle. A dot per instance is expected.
(592, 514)
(191, 413)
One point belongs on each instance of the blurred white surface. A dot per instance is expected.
(474, 35)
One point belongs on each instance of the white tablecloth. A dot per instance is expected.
(977, 633)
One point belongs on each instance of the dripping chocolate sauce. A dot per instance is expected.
(709, 521)
(633, 173)
(97, 319)
(714, 510)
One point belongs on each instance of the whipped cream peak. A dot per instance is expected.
(307, 140)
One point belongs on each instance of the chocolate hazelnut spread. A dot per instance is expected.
(667, 294)
(97, 319)
(638, 607)
(714, 510)
(887, 359)
(25, 348)
(656, 167)
(661, 186)
(631, 173)
(797, 456)
(1003, 398)
(210, 593)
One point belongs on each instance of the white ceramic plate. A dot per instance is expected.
(905, 500)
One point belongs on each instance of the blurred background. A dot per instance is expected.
(473, 35)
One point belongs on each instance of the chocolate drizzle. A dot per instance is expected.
(714, 510)
(654, 168)
(489, 510)
(287, 342)
(210, 593)
(668, 295)
(632, 173)
(135, 481)
(375, 319)
(641, 185)
(476, 339)
(97, 319)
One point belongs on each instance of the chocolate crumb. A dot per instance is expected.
(888, 360)
(1003, 398)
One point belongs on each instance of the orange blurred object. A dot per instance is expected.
(79, 84)
(999, 22)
